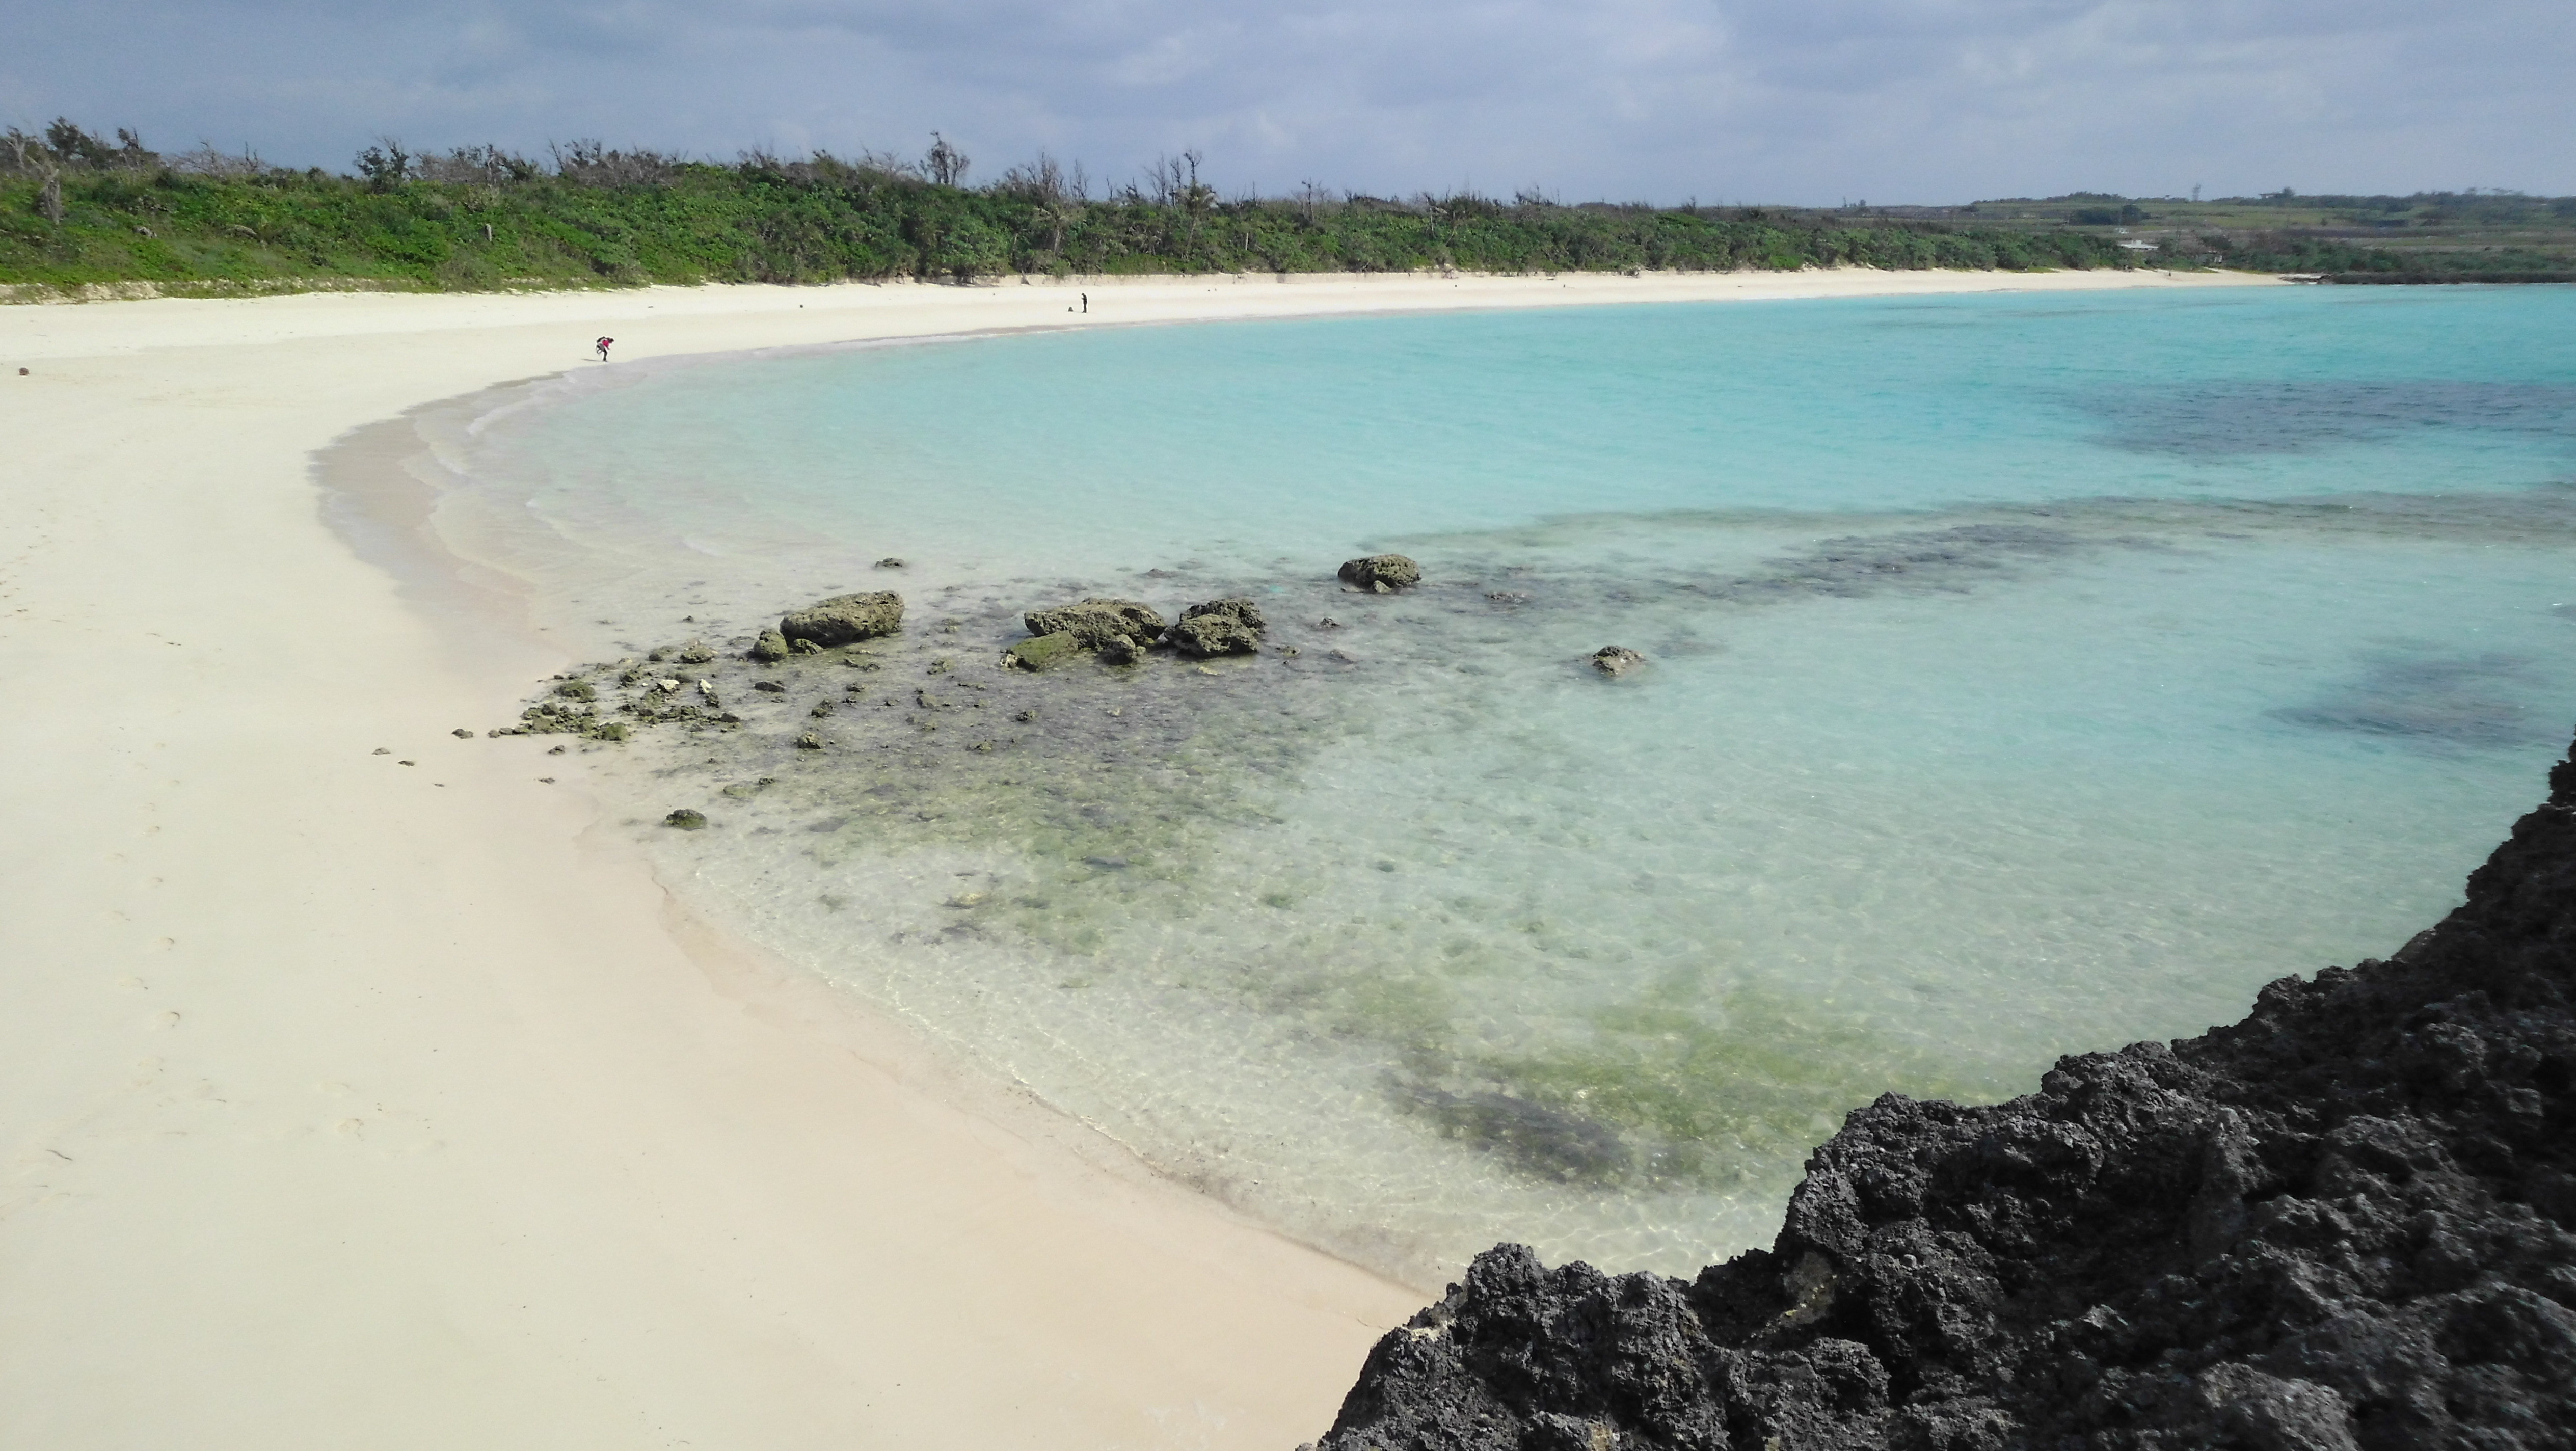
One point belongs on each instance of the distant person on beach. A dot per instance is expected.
(1086, 302)
(602, 345)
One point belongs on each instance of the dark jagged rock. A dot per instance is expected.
(686, 819)
(2341, 1223)
(1381, 573)
(844, 619)
(1095, 622)
(1616, 659)
(1219, 627)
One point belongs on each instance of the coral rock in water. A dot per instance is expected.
(845, 619)
(1381, 573)
(1044, 651)
(1616, 659)
(2341, 1223)
(1095, 622)
(1219, 627)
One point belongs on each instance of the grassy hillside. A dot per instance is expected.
(76, 211)
(487, 220)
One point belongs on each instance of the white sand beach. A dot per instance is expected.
(384, 1100)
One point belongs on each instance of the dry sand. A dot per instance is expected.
(356, 1103)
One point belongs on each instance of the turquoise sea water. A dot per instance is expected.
(2027, 675)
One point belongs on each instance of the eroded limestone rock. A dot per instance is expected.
(1616, 659)
(845, 619)
(1381, 573)
(1095, 622)
(1231, 626)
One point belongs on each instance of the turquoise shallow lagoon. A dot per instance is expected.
(2028, 675)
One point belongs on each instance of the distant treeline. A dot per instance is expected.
(2344, 261)
(76, 210)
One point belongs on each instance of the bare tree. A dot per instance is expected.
(1040, 181)
(205, 160)
(36, 159)
(386, 164)
(944, 164)
(1054, 202)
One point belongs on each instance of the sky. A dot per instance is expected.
(1812, 102)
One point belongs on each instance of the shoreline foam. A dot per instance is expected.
(362, 1101)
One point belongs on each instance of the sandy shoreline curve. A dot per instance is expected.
(377, 1100)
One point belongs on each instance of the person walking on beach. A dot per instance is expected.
(602, 345)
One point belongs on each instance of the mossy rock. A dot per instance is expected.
(685, 819)
(1381, 573)
(612, 731)
(577, 690)
(845, 619)
(1095, 622)
(770, 648)
(696, 652)
(1045, 652)
(1219, 627)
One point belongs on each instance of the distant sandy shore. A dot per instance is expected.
(359, 1100)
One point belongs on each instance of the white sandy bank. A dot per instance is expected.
(356, 1104)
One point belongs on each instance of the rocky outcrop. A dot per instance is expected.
(769, 647)
(1095, 622)
(1615, 659)
(845, 619)
(1381, 573)
(1231, 626)
(2341, 1223)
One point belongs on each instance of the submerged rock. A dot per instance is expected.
(770, 648)
(1381, 573)
(1095, 622)
(1616, 659)
(845, 619)
(686, 820)
(2344, 1222)
(1219, 627)
(1043, 652)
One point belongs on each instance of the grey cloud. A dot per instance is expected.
(1722, 99)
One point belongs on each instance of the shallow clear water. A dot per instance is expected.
(2027, 676)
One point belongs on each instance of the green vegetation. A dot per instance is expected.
(2471, 236)
(77, 211)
